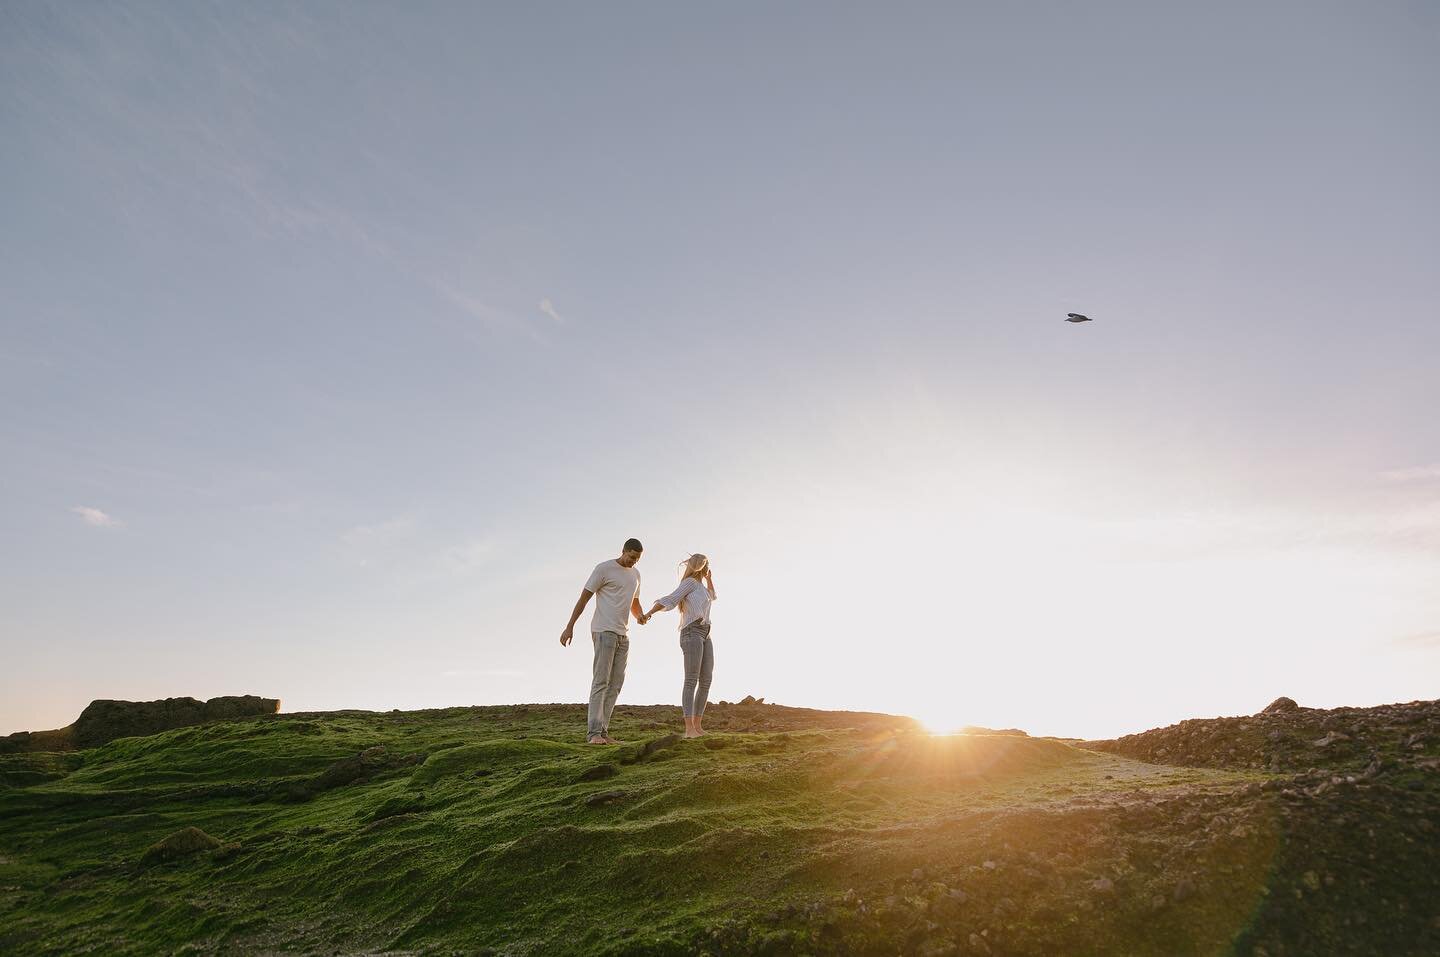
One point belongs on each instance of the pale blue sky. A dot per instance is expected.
(338, 342)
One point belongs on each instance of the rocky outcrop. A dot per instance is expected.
(1366, 741)
(104, 720)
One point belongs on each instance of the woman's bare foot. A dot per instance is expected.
(597, 739)
(610, 740)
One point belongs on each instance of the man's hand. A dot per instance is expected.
(643, 618)
(567, 636)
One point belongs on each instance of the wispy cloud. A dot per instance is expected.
(548, 307)
(95, 517)
(477, 308)
(1417, 473)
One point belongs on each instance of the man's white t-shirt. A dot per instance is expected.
(615, 588)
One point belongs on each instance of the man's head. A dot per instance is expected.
(630, 554)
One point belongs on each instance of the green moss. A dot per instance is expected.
(785, 831)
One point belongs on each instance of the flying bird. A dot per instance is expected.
(1076, 317)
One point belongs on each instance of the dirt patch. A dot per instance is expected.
(182, 843)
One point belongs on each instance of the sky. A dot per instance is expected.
(339, 342)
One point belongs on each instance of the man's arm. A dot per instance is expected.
(569, 633)
(637, 611)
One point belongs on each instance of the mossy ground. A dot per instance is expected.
(785, 831)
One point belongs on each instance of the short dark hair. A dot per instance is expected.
(633, 545)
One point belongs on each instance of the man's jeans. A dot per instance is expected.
(607, 676)
(699, 665)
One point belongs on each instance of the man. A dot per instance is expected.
(616, 587)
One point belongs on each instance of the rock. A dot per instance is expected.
(1281, 705)
(104, 720)
(604, 797)
(1103, 885)
(182, 843)
(240, 706)
(748, 699)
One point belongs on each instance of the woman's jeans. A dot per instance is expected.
(699, 664)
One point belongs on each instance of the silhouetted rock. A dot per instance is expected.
(23, 742)
(1281, 705)
(104, 720)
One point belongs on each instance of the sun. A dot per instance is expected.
(939, 723)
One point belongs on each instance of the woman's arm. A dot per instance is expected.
(672, 599)
(710, 583)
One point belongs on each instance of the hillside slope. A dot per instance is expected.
(491, 830)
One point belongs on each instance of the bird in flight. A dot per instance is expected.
(1076, 317)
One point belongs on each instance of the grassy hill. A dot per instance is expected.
(492, 830)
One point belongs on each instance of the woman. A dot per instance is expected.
(693, 596)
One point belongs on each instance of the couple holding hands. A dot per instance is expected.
(615, 585)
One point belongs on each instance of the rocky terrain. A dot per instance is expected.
(105, 720)
(1285, 737)
(787, 831)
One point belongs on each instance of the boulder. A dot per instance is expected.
(1281, 705)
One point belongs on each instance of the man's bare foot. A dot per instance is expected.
(610, 740)
(598, 739)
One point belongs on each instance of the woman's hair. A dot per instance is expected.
(694, 566)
